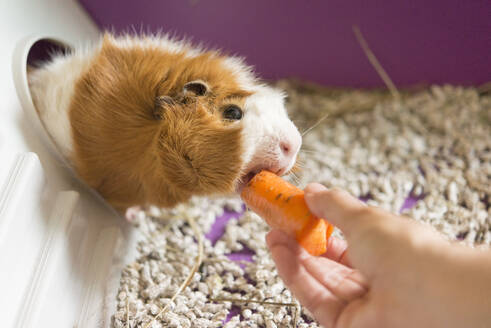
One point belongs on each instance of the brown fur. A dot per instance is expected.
(131, 157)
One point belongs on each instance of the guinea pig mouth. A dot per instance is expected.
(245, 179)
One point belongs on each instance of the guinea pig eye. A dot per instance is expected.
(232, 112)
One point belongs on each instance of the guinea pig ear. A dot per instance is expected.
(196, 88)
(161, 102)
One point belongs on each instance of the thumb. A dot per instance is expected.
(334, 205)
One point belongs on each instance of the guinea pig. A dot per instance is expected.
(150, 120)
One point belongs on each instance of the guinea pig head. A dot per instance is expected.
(212, 142)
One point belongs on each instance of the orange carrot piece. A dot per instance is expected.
(283, 207)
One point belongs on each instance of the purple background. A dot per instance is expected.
(416, 41)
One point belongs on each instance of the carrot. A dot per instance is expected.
(283, 206)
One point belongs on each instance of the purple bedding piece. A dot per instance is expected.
(411, 201)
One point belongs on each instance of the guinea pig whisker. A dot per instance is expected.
(315, 124)
(298, 122)
(311, 154)
(299, 165)
(298, 162)
(304, 147)
(295, 177)
(308, 151)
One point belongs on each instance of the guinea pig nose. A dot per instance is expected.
(289, 146)
(286, 148)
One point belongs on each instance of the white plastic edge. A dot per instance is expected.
(43, 273)
(26, 173)
(19, 70)
(100, 264)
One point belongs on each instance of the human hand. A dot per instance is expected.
(395, 272)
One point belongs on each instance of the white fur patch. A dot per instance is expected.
(243, 73)
(266, 126)
(52, 88)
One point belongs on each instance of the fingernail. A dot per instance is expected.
(314, 203)
(313, 188)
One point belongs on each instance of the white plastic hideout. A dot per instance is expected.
(61, 245)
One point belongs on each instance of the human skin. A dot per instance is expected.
(390, 272)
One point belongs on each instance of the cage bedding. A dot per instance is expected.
(427, 156)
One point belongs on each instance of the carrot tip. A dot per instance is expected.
(282, 205)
